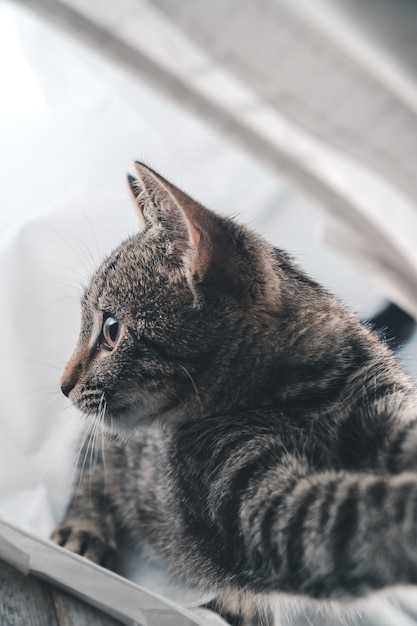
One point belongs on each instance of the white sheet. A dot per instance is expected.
(64, 204)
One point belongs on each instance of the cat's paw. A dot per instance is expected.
(231, 614)
(87, 540)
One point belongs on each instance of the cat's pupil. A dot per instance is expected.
(111, 331)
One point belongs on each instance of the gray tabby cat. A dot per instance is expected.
(260, 437)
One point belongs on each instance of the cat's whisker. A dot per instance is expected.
(55, 459)
(77, 473)
(76, 462)
(63, 276)
(81, 236)
(83, 239)
(98, 428)
(85, 434)
(39, 394)
(194, 386)
(74, 289)
(46, 403)
(58, 417)
(86, 447)
(29, 360)
(67, 268)
(69, 406)
(103, 446)
(87, 219)
(93, 449)
(79, 253)
(95, 433)
(64, 298)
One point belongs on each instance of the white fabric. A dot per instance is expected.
(65, 205)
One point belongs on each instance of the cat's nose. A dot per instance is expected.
(66, 388)
(71, 374)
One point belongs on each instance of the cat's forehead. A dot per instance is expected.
(119, 273)
(135, 274)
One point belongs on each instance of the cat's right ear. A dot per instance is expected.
(135, 191)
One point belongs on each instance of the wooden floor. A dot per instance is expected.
(27, 601)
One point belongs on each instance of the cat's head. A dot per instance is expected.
(166, 316)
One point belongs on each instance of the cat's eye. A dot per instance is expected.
(111, 331)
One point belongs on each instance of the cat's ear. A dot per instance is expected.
(159, 201)
(217, 249)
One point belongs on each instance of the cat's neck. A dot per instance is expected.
(267, 365)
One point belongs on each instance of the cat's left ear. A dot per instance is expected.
(159, 201)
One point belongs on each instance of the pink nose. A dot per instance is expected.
(72, 373)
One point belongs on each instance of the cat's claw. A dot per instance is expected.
(86, 541)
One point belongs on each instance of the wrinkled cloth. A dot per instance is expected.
(65, 206)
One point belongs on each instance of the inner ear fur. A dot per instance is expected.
(135, 191)
(158, 200)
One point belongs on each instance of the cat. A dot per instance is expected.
(260, 436)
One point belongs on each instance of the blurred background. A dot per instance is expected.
(297, 117)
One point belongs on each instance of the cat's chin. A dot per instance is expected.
(122, 433)
(123, 422)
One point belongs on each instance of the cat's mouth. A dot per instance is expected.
(119, 415)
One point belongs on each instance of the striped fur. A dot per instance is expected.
(260, 437)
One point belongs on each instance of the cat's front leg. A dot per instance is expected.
(332, 535)
(88, 527)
